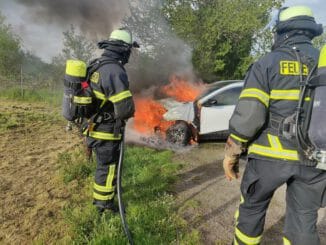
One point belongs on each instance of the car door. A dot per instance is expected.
(216, 112)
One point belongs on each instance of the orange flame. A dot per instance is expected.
(149, 113)
(181, 90)
(149, 116)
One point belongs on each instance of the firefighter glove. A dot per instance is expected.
(231, 159)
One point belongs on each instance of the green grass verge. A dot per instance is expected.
(150, 209)
(53, 97)
(23, 115)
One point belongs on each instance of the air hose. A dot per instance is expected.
(119, 191)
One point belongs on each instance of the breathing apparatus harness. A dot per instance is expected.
(295, 127)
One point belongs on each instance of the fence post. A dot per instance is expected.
(21, 81)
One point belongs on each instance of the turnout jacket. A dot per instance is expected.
(271, 91)
(111, 87)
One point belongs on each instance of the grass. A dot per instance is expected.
(75, 167)
(52, 97)
(20, 115)
(20, 112)
(150, 208)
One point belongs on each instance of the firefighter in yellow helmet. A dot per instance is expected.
(270, 95)
(115, 105)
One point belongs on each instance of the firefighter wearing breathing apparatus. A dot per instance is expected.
(115, 105)
(261, 125)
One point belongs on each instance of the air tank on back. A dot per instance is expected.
(75, 74)
(317, 127)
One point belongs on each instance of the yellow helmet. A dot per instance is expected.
(121, 35)
(297, 18)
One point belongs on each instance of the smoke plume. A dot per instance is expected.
(94, 18)
(162, 53)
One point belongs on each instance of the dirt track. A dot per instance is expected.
(208, 201)
(30, 195)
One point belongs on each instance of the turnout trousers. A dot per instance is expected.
(107, 157)
(305, 194)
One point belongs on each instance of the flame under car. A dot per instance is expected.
(206, 118)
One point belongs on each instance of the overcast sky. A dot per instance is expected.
(318, 7)
(45, 39)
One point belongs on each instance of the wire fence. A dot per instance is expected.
(28, 82)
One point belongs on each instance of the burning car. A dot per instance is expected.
(206, 118)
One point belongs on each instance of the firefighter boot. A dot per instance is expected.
(101, 206)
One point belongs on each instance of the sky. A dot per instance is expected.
(318, 8)
(44, 38)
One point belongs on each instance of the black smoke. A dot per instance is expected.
(94, 18)
(162, 52)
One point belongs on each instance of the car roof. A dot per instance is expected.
(220, 84)
(216, 86)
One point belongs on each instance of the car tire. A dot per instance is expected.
(179, 134)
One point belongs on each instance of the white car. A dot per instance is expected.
(207, 118)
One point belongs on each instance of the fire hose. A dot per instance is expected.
(119, 191)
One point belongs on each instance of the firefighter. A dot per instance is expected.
(115, 105)
(270, 95)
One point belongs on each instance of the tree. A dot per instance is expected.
(76, 46)
(221, 32)
(320, 41)
(10, 51)
(162, 53)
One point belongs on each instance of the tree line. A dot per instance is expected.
(221, 37)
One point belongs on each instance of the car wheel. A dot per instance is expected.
(179, 134)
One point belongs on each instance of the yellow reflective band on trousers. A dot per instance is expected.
(248, 240)
(238, 138)
(275, 150)
(103, 197)
(109, 187)
(76, 68)
(256, 94)
(235, 242)
(103, 188)
(286, 241)
(101, 135)
(120, 96)
(82, 100)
